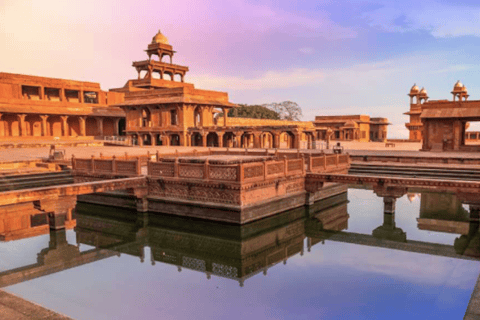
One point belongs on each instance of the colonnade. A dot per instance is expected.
(44, 125)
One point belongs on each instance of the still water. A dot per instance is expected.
(321, 264)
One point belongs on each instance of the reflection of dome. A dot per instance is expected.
(350, 124)
(412, 196)
(414, 89)
(160, 38)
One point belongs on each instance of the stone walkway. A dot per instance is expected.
(15, 308)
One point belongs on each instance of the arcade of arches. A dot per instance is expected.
(35, 125)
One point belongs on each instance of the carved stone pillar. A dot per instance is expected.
(204, 139)
(225, 117)
(80, 96)
(116, 128)
(388, 230)
(44, 125)
(82, 122)
(64, 125)
(220, 139)
(100, 126)
(256, 140)
(21, 122)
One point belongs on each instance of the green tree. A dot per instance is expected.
(253, 111)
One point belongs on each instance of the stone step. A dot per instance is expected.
(413, 168)
(37, 184)
(438, 174)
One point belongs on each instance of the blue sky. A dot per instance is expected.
(331, 57)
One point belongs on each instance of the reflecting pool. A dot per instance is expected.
(352, 256)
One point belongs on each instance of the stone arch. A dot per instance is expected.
(167, 75)
(177, 77)
(108, 127)
(197, 116)
(212, 139)
(287, 140)
(158, 139)
(147, 139)
(54, 126)
(12, 125)
(174, 140)
(121, 127)
(229, 140)
(33, 125)
(73, 126)
(143, 74)
(146, 117)
(246, 140)
(156, 75)
(91, 127)
(267, 140)
(196, 140)
(135, 139)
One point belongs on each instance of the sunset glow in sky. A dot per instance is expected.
(331, 57)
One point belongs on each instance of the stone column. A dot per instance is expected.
(225, 117)
(80, 96)
(64, 125)
(21, 121)
(140, 139)
(44, 125)
(388, 230)
(220, 139)
(82, 122)
(204, 139)
(100, 126)
(256, 140)
(116, 127)
(62, 94)
(276, 140)
(42, 93)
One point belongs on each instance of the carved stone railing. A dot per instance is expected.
(107, 166)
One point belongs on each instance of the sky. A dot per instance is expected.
(331, 57)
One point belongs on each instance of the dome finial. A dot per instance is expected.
(160, 38)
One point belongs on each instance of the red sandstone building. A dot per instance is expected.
(38, 107)
(442, 124)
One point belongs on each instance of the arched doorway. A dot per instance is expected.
(33, 125)
(108, 127)
(55, 126)
(12, 125)
(135, 139)
(158, 140)
(197, 116)
(196, 140)
(147, 139)
(212, 139)
(146, 118)
(287, 140)
(121, 127)
(246, 140)
(229, 140)
(266, 140)
(91, 127)
(73, 126)
(174, 140)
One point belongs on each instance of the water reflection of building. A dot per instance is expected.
(29, 219)
(442, 212)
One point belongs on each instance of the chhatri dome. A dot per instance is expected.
(414, 89)
(458, 86)
(160, 38)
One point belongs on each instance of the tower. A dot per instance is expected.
(154, 73)
(460, 91)
(415, 126)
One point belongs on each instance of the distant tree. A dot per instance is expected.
(253, 111)
(287, 110)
